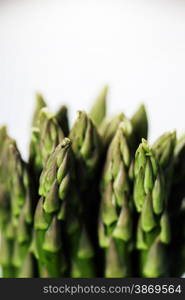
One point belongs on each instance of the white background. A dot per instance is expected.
(68, 49)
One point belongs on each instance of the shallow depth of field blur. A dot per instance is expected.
(69, 49)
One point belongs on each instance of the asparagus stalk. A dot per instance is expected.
(6, 228)
(148, 182)
(21, 207)
(86, 146)
(98, 111)
(14, 193)
(153, 232)
(140, 124)
(6, 242)
(115, 221)
(54, 183)
(164, 151)
(62, 119)
(40, 103)
(108, 129)
(57, 215)
(46, 135)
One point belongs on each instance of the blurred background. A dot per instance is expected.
(68, 49)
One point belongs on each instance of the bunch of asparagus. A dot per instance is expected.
(95, 200)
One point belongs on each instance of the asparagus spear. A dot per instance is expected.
(46, 135)
(108, 129)
(62, 119)
(140, 124)
(115, 222)
(40, 103)
(164, 152)
(153, 232)
(21, 207)
(6, 228)
(147, 176)
(98, 111)
(6, 242)
(35, 159)
(16, 187)
(54, 183)
(86, 146)
(57, 216)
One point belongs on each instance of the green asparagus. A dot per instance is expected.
(115, 221)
